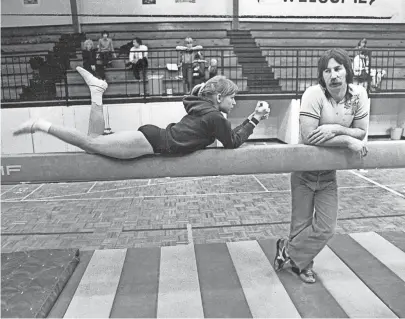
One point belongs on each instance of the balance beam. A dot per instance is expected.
(248, 159)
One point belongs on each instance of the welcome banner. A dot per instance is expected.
(383, 11)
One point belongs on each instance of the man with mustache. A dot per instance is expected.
(334, 113)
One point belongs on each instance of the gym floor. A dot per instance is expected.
(176, 211)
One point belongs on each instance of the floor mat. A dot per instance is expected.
(31, 281)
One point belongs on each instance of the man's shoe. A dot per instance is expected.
(281, 254)
(306, 275)
(108, 131)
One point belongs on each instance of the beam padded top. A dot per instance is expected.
(248, 159)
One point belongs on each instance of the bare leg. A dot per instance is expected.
(122, 145)
(97, 88)
(96, 120)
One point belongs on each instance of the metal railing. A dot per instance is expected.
(41, 77)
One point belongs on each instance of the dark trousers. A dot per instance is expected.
(105, 57)
(99, 72)
(140, 66)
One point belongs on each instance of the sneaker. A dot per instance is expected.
(108, 131)
(91, 80)
(281, 254)
(25, 128)
(306, 275)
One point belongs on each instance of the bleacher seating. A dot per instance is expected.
(284, 65)
(277, 42)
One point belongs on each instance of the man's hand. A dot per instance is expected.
(322, 134)
(358, 146)
(93, 67)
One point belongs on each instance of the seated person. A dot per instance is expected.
(213, 68)
(89, 55)
(105, 49)
(203, 124)
(361, 69)
(138, 59)
(198, 68)
(376, 78)
(365, 76)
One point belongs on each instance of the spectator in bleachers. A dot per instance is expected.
(188, 57)
(105, 49)
(363, 74)
(376, 78)
(361, 69)
(198, 69)
(138, 59)
(89, 55)
(213, 68)
(362, 44)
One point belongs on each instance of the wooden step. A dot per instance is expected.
(290, 84)
(237, 41)
(162, 62)
(146, 35)
(324, 27)
(162, 43)
(316, 34)
(177, 84)
(129, 88)
(11, 69)
(264, 89)
(252, 60)
(119, 75)
(291, 73)
(157, 26)
(35, 31)
(30, 40)
(44, 47)
(383, 43)
(265, 83)
(388, 63)
(10, 93)
(11, 81)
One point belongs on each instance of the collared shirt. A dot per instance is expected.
(138, 53)
(315, 104)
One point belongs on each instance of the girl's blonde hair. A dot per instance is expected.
(88, 41)
(217, 85)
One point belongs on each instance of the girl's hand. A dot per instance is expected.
(262, 110)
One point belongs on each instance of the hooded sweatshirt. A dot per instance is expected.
(201, 126)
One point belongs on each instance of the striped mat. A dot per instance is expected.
(359, 275)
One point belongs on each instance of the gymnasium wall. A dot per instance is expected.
(162, 7)
(43, 7)
(350, 11)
